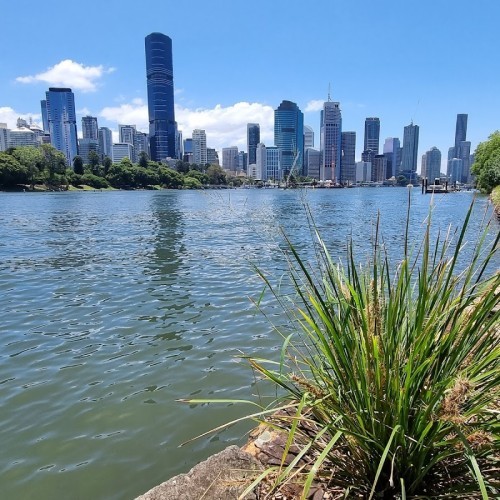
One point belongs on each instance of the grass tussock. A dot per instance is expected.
(395, 368)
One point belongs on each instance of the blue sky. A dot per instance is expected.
(235, 61)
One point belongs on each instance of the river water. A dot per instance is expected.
(114, 305)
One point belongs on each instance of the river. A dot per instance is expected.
(114, 305)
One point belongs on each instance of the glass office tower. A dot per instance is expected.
(160, 77)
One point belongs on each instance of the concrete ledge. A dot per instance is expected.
(223, 476)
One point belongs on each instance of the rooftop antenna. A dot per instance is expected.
(329, 98)
(415, 112)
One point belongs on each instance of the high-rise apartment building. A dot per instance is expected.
(61, 117)
(379, 168)
(105, 142)
(90, 130)
(242, 161)
(289, 137)
(212, 156)
(330, 141)
(312, 163)
(253, 138)
(372, 135)
(160, 78)
(410, 148)
(199, 147)
(348, 158)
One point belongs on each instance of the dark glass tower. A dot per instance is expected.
(160, 76)
(253, 138)
(460, 132)
(372, 134)
(289, 136)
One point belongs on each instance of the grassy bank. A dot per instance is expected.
(389, 378)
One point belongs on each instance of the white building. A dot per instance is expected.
(127, 135)
(23, 137)
(122, 150)
(199, 147)
(363, 171)
(273, 163)
(4, 137)
(308, 137)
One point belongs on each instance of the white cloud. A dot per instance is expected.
(225, 125)
(71, 74)
(314, 105)
(10, 116)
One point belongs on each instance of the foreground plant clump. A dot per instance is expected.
(390, 378)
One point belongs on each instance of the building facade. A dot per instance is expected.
(289, 137)
(199, 147)
(4, 137)
(160, 79)
(253, 138)
(330, 141)
(392, 151)
(122, 150)
(90, 130)
(312, 163)
(61, 117)
(105, 143)
(432, 165)
(410, 148)
(348, 158)
(230, 158)
(372, 135)
(308, 137)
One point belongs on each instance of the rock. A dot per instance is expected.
(223, 476)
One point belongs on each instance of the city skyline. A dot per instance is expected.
(214, 94)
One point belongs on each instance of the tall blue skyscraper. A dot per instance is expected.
(460, 132)
(160, 77)
(289, 136)
(61, 118)
(45, 119)
(331, 141)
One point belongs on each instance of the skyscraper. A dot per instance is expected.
(392, 151)
(105, 142)
(62, 121)
(410, 148)
(372, 135)
(330, 140)
(45, 119)
(348, 158)
(460, 132)
(160, 77)
(432, 164)
(289, 137)
(199, 147)
(253, 138)
(90, 129)
(308, 137)
(230, 158)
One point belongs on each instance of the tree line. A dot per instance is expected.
(45, 166)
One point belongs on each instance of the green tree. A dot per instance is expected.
(121, 175)
(196, 174)
(143, 159)
(216, 175)
(12, 172)
(107, 164)
(54, 160)
(192, 183)
(78, 165)
(170, 178)
(486, 166)
(94, 162)
(33, 159)
(182, 167)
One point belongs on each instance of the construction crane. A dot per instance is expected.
(294, 166)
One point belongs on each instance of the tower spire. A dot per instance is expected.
(329, 89)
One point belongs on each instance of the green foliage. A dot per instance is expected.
(107, 163)
(196, 174)
(143, 159)
(170, 178)
(192, 183)
(394, 374)
(144, 177)
(216, 175)
(54, 161)
(182, 167)
(486, 165)
(12, 172)
(121, 175)
(78, 165)
(94, 181)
